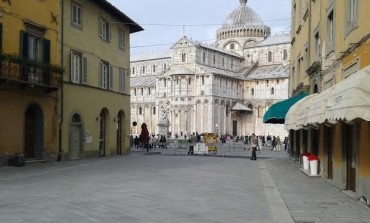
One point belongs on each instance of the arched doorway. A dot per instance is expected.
(119, 123)
(34, 132)
(103, 117)
(75, 137)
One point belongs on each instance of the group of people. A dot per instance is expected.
(270, 141)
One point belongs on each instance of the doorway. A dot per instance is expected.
(119, 124)
(235, 128)
(102, 131)
(350, 151)
(34, 132)
(75, 137)
(329, 148)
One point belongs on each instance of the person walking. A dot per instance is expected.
(254, 142)
(273, 143)
(136, 142)
(144, 136)
(278, 143)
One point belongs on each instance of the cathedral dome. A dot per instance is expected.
(243, 22)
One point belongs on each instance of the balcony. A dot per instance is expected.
(18, 73)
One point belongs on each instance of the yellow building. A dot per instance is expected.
(28, 81)
(330, 59)
(95, 100)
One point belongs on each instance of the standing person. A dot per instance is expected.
(136, 142)
(286, 141)
(144, 136)
(273, 143)
(278, 143)
(254, 142)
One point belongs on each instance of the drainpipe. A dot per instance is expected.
(61, 91)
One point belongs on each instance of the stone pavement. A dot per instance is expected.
(313, 199)
(172, 189)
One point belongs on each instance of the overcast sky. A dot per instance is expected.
(210, 14)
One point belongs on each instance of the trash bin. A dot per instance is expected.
(191, 150)
(17, 161)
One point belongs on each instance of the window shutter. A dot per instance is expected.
(72, 67)
(110, 77)
(101, 74)
(24, 45)
(101, 28)
(46, 51)
(1, 37)
(84, 70)
(109, 27)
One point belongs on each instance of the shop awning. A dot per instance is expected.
(316, 112)
(302, 111)
(277, 112)
(350, 99)
(297, 114)
(240, 107)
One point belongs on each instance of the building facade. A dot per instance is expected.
(330, 59)
(95, 96)
(29, 80)
(225, 87)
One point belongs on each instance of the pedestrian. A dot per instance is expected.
(278, 143)
(286, 141)
(273, 143)
(136, 142)
(144, 136)
(254, 142)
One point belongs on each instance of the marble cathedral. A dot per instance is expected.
(223, 88)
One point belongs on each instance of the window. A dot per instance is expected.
(277, 81)
(204, 57)
(183, 57)
(35, 48)
(269, 57)
(351, 15)
(177, 81)
(272, 91)
(165, 83)
(76, 15)
(140, 111)
(252, 91)
(122, 81)
(153, 69)
(223, 62)
(105, 30)
(214, 59)
(285, 54)
(121, 40)
(142, 91)
(164, 67)
(135, 91)
(232, 46)
(143, 70)
(148, 91)
(202, 80)
(78, 68)
(232, 64)
(317, 45)
(133, 70)
(189, 81)
(330, 31)
(106, 75)
(154, 110)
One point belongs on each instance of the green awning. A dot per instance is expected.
(277, 112)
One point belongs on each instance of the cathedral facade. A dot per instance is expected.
(222, 88)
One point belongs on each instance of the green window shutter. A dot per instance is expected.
(24, 45)
(46, 51)
(84, 70)
(110, 77)
(1, 37)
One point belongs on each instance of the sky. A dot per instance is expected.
(166, 21)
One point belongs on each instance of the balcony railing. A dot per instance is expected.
(20, 71)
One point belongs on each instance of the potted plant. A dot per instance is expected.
(314, 165)
(305, 156)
